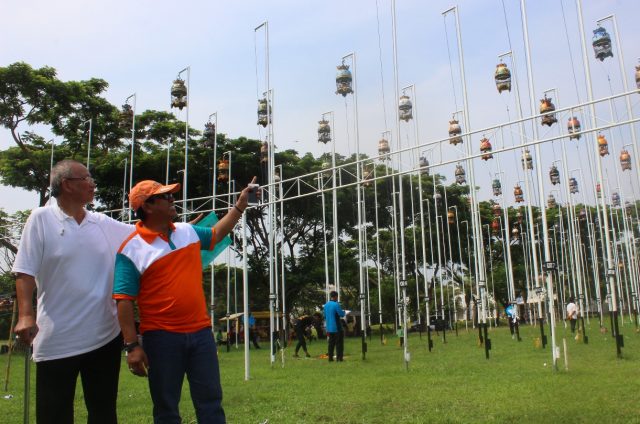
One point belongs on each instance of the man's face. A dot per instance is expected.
(79, 184)
(161, 207)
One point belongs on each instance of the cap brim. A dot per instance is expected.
(171, 188)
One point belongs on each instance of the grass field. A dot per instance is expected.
(452, 384)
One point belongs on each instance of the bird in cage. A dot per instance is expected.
(601, 44)
(178, 94)
(497, 187)
(625, 160)
(573, 127)
(460, 175)
(527, 161)
(384, 149)
(603, 145)
(554, 175)
(454, 132)
(324, 131)
(547, 106)
(343, 80)
(405, 108)
(502, 77)
(517, 192)
(485, 147)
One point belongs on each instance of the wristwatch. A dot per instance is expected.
(128, 347)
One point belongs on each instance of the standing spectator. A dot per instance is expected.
(332, 314)
(253, 335)
(301, 325)
(66, 255)
(512, 316)
(572, 313)
(160, 268)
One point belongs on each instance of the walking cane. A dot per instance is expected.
(27, 384)
(13, 323)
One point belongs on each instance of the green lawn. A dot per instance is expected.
(452, 384)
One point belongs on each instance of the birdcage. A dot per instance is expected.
(264, 112)
(223, 170)
(517, 192)
(460, 175)
(497, 187)
(424, 165)
(603, 145)
(324, 131)
(451, 217)
(638, 76)
(454, 132)
(615, 199)
(406, 108)
(503, 78)
(527, 161)
(601, 44)
(573, 186)
(495, 226)
(276, 176)
(384, 149)
(583, 214)
(547, 106)
(573, 127)
(598, 190)
(485, 148)
(625, 160)
(554, 175)
(519, 217)
(515, 233)
(209, 134)
(178, 94)
(368, 177)
(551, 202)
(264, 152)
(126, 116)
(343, 80)
(496, 209)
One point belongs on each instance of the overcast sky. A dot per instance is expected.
(139, 46)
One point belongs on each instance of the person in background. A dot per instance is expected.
(66, 255)
(301, 325)
(335, 332)
(572, 314)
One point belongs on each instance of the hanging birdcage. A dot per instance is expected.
(515, 233)
(343, 80)
(264, 152)
(625, 160)
(454, 132)
(573, 185)
(368, 177)
(551, 202)
(451, 217)
(406, 108)
(460, 175)
(554, 175)
(527, 161)
(495, 226)
(547, 106)
(223, 170)
(519, 217)
(324, 131)
(126, 116)
(209, 135)
(496, 209)
(497, 187)
(276, 175)
(424, 165)
(384, 149)
(573, 127)
(583, 214)
(264, 112)
(602, 44)
(517, 192)
(325, 165)
(638, 76)
(598, 190)
(178, 94)
(629, 207)
(603, 145)
(503, 77)
(615, 199)
(485, 147)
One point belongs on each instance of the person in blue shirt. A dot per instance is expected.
(253, 336)
(332, 314)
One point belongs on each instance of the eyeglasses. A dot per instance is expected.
(88, 179)
(163, 196)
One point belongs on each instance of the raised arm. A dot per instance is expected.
(226, 224)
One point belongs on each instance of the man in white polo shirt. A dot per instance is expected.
(67, 255)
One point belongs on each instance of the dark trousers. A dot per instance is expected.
(573, 325)
(302, 343)
(336, 341)
(56, 385)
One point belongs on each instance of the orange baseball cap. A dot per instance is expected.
(147, 188)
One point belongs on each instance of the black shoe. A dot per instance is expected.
(307, 355)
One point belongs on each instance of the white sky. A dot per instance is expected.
(139, 46)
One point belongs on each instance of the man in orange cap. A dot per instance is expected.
(159, 267)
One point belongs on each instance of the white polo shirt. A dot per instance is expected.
(73, 266)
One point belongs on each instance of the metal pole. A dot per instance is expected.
(90, 121)
(245, 296)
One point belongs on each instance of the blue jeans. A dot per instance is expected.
(171, 356)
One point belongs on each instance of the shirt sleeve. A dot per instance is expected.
(339, 310)
(207, 236)
(116, 232)
(126, 278)
(31, 248)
